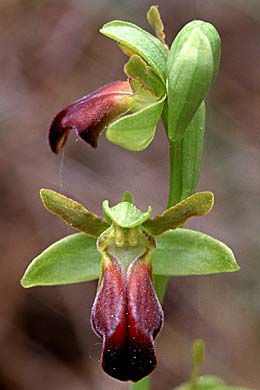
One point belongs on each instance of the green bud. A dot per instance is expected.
(192, 66)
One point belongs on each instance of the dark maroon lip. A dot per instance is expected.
(91, 114)
(128, 316)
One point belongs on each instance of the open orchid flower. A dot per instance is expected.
(126, 312)
(143, 94)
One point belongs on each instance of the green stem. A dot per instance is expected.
(143, 384)
(174, 197)
(175, 190)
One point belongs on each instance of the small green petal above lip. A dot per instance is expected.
(137, 68)
(195, 205)
(155, 21)
(73, 213)
(125, 214)
(72, 259)
(140, 42)
(136, 131)
(187, 252)
(127, 197)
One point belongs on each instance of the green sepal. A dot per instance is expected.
(189, 252)
(195, 205)
(192, 66)
(155, 21)
(137, 68)
(72, 259)
(136, 131)
(140, 42)
(125, 214)
(73, 213)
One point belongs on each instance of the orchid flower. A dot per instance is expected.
(160, 82)
(127, 248)
(124, 250)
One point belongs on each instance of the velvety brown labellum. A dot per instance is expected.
(90, 115)
(128, 315)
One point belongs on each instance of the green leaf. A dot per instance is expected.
(208, 382)
(198, 204)
(125, 214)
(73, 213)
(136, 68)
(231, 388)
(188, 252)
(73, 259)
(136, 131)
(140, 42)
(192, 66)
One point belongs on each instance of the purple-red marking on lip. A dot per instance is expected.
(128, 315)
(91, 114)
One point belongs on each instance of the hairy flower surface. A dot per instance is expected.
(127, 315)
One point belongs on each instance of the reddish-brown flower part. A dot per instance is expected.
(127, 315)
(91, 114)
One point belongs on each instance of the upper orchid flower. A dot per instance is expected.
(126, 312)
(143, 94)
(161, 82)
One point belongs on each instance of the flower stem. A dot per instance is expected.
(143, 384)
(175, 190)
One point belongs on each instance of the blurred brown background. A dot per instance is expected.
(52, 53)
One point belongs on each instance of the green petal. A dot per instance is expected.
(136, 68)
(127, 197)
(73, 213)
(188, 252)
(140, 42)
(136, 131)
(73, 259)
(125, 214)
(198, 204)
(192, 66)
(155, 21)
